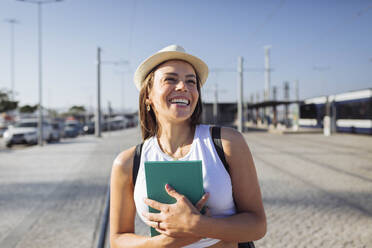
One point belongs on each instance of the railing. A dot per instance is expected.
(104, 223)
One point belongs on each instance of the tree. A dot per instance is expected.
(76, 112)
(28, 109)
(5, 103)
(77, 109)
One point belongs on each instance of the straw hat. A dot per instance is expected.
(169, 53)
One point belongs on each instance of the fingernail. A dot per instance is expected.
(168, 187)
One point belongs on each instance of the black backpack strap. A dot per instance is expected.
(136, 162)
(216, 137)
(246, 245)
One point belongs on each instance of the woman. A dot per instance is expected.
(170, 108)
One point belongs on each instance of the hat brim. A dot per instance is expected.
(147, 65)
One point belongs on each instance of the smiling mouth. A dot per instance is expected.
(180, 101)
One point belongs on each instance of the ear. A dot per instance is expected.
(148, 101)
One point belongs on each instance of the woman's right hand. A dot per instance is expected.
(178, 219)
(183, 241)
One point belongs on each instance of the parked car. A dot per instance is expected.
(72, 129)
(119, 122)
(2, 130)
(89, 128)
(57, 131)
(26, 132)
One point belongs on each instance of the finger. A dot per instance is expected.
(154, 204)
(162, 231)
(172, 192)
(202, 202)
(152, 216)
(156, 225)
(207, 212)
(153, 224)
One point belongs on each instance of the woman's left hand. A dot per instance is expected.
(175, 220)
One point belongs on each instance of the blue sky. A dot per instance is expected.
(304, 35)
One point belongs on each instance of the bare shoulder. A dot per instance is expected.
(123, 164)
(236, 148)
(229, 133)
(231, 138)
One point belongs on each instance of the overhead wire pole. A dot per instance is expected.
(39, 7)
(240, 94)
(267, 73)
(240, 70)
(98, 115)
(297, 106)
(267, 87)
(97, 124)
(12, 22)
(41, 134)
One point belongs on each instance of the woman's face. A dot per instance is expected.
(174, 93)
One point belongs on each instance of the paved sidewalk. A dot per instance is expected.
(317, 190)
(53, 196)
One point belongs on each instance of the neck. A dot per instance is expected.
(173, 137)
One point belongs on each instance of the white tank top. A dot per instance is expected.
(216, 180)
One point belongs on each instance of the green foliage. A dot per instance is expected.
(28, 109)
(5, 103)
(77, 109)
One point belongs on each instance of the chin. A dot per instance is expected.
(181, 117)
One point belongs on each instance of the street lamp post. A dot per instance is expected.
(98, 110)
(12, 22)
(39, 5)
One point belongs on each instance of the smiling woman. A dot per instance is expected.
(170, 109)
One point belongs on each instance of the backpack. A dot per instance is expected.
(216, 137)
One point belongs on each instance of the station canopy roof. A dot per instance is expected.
(271, 103)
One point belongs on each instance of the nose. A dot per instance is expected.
(181, 85)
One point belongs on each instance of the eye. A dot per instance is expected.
(170, 79)
(191, 81)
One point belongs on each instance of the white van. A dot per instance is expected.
(26, 132)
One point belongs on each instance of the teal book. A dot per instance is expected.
(185, 177)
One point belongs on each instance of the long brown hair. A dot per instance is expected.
(149, 126)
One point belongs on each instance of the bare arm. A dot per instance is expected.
(122, 210)
(250, 221)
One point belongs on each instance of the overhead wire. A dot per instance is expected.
(353, 17)
(269, 17)
(260, 27)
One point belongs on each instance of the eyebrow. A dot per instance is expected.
(175, 74)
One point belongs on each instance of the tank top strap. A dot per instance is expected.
(202, 131)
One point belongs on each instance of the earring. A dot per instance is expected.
(148, 108)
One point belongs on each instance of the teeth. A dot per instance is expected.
(180, 101)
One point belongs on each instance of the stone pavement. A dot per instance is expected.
(54, 196)
(317, 190)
